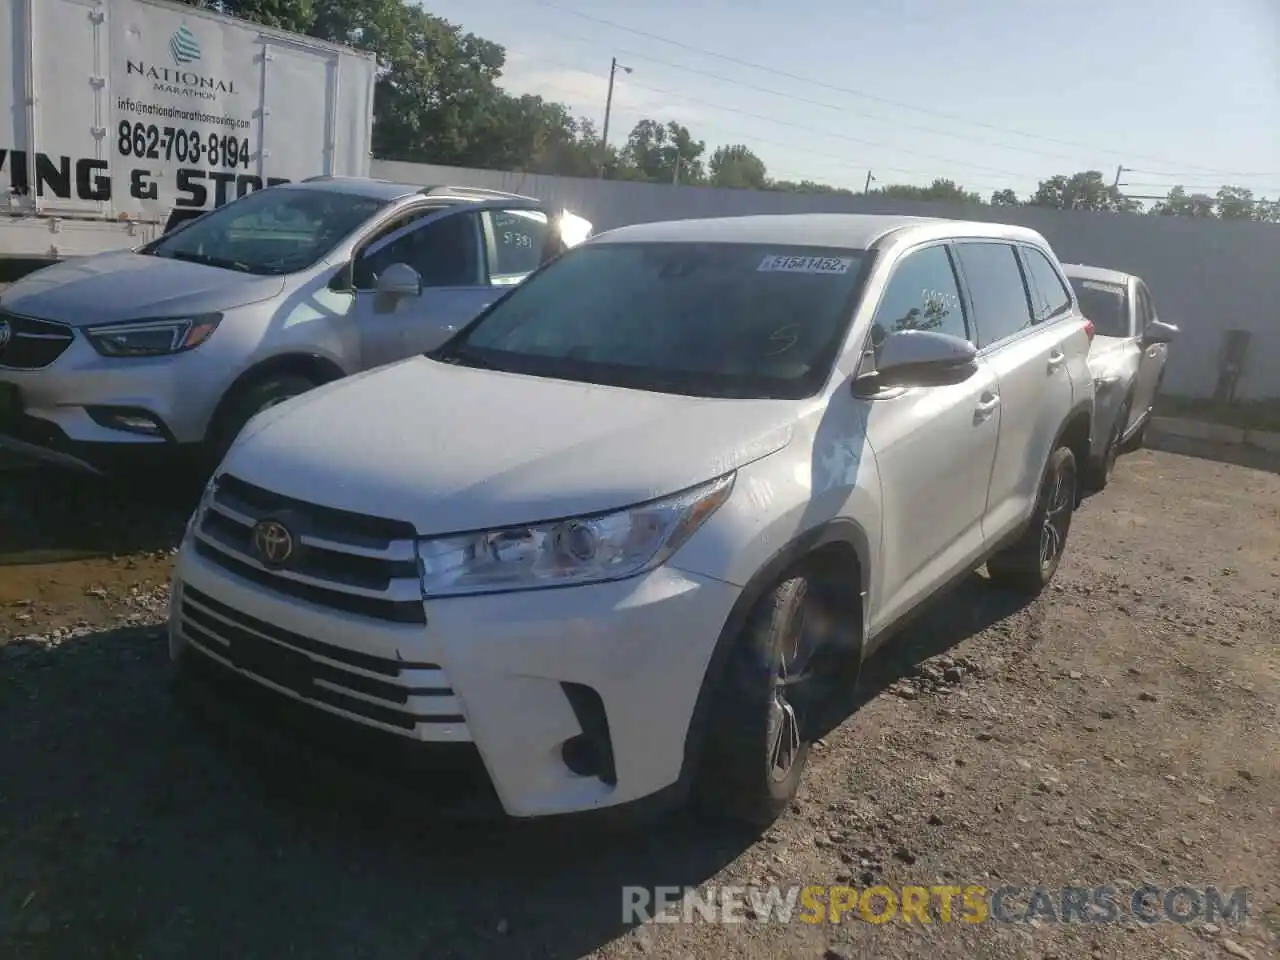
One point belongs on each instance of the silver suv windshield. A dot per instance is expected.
(724, 319)
(269, 232)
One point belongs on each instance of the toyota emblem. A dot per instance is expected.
(273, 542)
(6, 333)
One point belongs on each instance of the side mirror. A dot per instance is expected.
(1159, 332)
(398, 280)
(918, 358)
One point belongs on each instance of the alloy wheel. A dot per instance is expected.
(1057, 517)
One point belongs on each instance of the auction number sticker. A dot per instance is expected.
(1103, 287)
(781, 263)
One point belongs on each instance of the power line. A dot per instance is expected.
(876, 99)
(843, 161)
(840, 108)
(951, 162)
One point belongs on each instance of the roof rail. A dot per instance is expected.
(473, 193)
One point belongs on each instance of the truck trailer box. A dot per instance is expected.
(119, 111)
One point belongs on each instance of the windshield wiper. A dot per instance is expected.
(209, 261)
(460, 355)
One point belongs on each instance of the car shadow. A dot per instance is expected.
(936, 628)
(126, 831)
(51, 515)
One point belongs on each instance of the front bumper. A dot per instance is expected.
(85, 401)
(601, 680)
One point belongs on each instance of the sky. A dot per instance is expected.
(989, 93)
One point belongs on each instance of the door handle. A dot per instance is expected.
(1056, 359)
(986, 406)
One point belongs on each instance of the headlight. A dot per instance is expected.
(568, 552)
(152, 338)
(206, 497)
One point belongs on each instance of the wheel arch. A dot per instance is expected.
(1076, 433)
(840, 540)
(313, 366)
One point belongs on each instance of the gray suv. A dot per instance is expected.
(178, 344)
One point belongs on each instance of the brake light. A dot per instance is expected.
(1088, 329)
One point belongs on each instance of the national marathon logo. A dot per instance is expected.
(182, 79)
(90, 178)
(1029, 905)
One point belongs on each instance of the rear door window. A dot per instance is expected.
(1001, 305)
(1051, 297)
(517, 240)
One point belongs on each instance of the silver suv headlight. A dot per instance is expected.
(152, 338)
(569, 552)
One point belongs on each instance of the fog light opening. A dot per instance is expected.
(581, 756)
(128, 420)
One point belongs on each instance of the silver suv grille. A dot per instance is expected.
(31, 344)
(348, 561)
(397, 694)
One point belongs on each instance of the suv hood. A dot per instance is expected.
(123, 285)
(452, 449)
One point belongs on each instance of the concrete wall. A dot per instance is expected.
(1207, 276)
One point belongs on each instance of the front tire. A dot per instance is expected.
(755, 749)
(1030, 562)
(251, 400)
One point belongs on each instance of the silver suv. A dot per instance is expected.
(631, 531)
(179, 343)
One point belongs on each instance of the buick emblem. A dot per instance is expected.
(273, 542)
(6, 333)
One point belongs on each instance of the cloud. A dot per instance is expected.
(585, 92)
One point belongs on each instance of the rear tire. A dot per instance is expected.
(1030, 562)
(248, 402)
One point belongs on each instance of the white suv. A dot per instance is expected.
(624, 535)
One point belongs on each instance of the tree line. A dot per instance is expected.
(438, 101)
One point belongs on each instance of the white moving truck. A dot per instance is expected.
(119, 114)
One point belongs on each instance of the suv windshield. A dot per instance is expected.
(272, 231)
(1106, 304)
(722, 319)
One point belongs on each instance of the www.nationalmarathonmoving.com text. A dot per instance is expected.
(178, 113)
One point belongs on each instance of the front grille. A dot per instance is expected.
(391, 693)
(359, 564)
(33, 343)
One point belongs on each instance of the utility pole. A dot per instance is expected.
(675, 173)
(1115, 185)
(608, 109)
(866, 187)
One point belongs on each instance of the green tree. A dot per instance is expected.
(1178, 203)
(1004, 198)
(807, 186)
(1086, 190)
(1235, 203)
(940, 191)
(736, 166)
(653, 149)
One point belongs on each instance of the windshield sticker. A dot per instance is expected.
(783, 339)
(780, 263)
(1102, 287)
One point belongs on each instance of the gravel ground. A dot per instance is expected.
(1124, 728)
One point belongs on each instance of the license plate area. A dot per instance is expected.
(282, 666)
